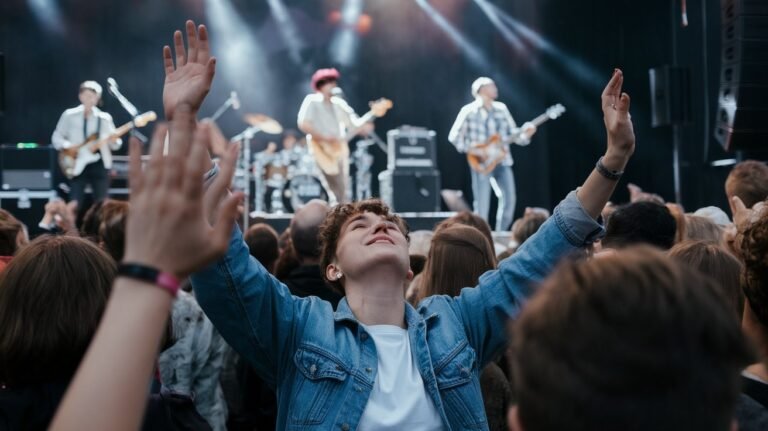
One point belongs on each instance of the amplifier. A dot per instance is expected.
(26, 168)
(410, 191)
(411, 149)
(27, 206)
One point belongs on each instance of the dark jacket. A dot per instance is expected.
(307, 280)
(752, 406)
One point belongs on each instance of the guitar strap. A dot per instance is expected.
(85, 126)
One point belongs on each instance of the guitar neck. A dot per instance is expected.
(366, 118)
(541, 119)
(120, 131)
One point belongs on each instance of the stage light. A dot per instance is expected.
(574, 66)
(470, 50)
(49, 15)
(508, 35)
(287, 29)
(345, 42)
(241, 60)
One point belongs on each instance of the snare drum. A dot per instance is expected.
(301, 189)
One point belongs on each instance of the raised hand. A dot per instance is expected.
(167, 228)
(621, 136)
(190, 80)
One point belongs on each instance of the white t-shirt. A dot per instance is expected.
(398, 400)
(332, 118)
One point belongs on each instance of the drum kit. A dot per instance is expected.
(283, 180)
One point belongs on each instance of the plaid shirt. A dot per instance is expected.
(475, 125)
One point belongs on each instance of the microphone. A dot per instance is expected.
(337, 92)
(234, 100)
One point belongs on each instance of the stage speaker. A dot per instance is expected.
(670, 95)
(2, 83)
(741, 121)
(26, 168)
(410, 191)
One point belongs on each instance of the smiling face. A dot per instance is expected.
(359, 237)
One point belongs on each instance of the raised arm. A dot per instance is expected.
(501, 293)
(168, 231)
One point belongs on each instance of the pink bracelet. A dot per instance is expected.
(164, 280)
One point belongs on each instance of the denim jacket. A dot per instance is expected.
(323, 363)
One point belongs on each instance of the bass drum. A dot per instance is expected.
(301, 189)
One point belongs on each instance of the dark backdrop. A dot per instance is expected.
(407, 58)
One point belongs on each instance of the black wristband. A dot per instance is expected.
(138, 272)
(602, 170)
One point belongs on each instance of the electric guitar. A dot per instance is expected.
(328, 153)
(484, 157)
(74, 159)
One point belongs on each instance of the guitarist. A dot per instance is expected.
(328, 118)
(78, 124)
(474, 125)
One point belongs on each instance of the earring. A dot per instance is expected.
(339, 275)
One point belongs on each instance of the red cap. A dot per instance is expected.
(324, 75)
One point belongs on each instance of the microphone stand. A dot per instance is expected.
(223, 108)
(245, 136)
(128, 106)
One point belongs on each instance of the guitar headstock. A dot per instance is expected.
(380, 107)
(143, 119)
(555, 111)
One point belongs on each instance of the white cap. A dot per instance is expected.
(479, 83)
(91, 85)
(718, 216)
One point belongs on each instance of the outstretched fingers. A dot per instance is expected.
(191, 41)
(197, 162)
(178, 46)
(612, 90)
(168, 60)
(203, 46)
(222, 230)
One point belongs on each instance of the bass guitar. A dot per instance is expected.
(74, 159)
(484, 157)
(328, 153)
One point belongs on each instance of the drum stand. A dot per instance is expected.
(363, 160)
(245, 165)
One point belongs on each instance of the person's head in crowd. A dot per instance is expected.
(523, 228)
(702, 228)
(12, 236)
(284, 240)
(261, 239)
(52, 296)
(718, 216)
(346, 249)
(718, 263)
(631, 340)
(754, 253)
(305, 231)
(459, 255)
(112, 228)
(678, 213)
(749, 181)
(22, 236)
(643, 222)
(89, 227)
(469, 219)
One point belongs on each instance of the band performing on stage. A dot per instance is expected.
(317, 165)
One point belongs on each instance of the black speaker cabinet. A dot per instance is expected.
(740, 122)
(670, 96)
(26, 168)
(411, 191)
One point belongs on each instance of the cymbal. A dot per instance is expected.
(264, 123)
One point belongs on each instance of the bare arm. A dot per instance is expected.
(168, 230)
(597, 189)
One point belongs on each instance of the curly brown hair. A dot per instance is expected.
(754, 252)
(336, 220)
(749, 181)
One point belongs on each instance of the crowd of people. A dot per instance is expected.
(160, 313)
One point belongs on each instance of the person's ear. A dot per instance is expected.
(332, 272)
(513, 420)
(409, 275)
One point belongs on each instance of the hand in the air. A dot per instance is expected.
(167, 227)
(190, 80)
(618, 125)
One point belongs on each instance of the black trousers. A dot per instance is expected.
(94, 174)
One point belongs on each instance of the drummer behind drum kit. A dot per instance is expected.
(284, 179)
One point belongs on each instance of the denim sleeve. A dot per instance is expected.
(500, 294)
(254, 312)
